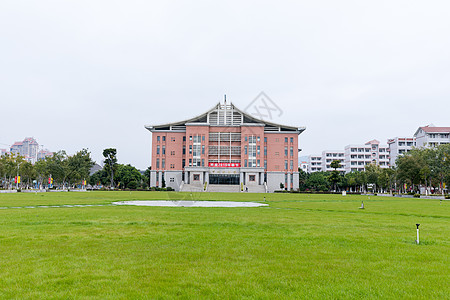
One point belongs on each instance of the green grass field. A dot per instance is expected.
(301, 246)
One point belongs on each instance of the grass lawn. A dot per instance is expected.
(300, 246)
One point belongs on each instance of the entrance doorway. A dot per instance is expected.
(224, 179)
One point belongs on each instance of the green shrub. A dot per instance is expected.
(132, 185)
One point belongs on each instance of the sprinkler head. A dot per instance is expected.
(417, 226)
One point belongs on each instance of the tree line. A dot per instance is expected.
(425, 170)
(64, 170)
(117, 175)
(69, 171)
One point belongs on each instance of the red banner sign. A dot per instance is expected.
(224, 165)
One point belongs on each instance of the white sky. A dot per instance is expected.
(90, 74)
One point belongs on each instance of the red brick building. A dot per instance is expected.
(224, 149)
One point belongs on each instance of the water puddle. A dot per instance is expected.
(183, 203)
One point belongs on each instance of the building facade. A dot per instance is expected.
(431, 136)
(358, 156)
(225, 147)
(28, 148)
(314, 163)
(399, 146)
(328, 156)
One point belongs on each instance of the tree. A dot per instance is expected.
(127, 174)
(146, 177)
(10, 167)
(335, 175)
(409, 166)
(386, 178)
(110, 163)
(42, 171)
(372, 173)
(302, 177)
(79, 165)
(318, 181)
(58, 168)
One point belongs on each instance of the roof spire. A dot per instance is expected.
(225, 98)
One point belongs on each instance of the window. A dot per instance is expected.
(164, 150)
(172, 153)
(157, 163)
(190, 149)
(190, 137)
(277, 153)
(163, 163)
(259, 150)
(292, 151)
(245, 150)
(277, 140)
(172, 139)
(245, 163)
(196, 177)
(203, 149)
(258, 139)
(265, 139)
(245, 138)
(285, 164)
(184, 150)
(203, 162)
(183, 163)
(190, 162)
(285, 139)
(251, 178)
(203, 138)
(184, 138)
(164, 138)
(158, 138)
(265, 164)
(171, 179)
(292, 140)
(157, 150)
(265, 150)
(285, 151)
(172, 166)
(291, 166)
(258, 163)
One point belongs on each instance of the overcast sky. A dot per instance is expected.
(90, 74)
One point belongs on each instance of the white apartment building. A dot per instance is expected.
(28, 148)
(43, 154)
(431, 136)
(303, 163)
(328, 156)
(358, 156)
(399, 146)
(314, 163)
